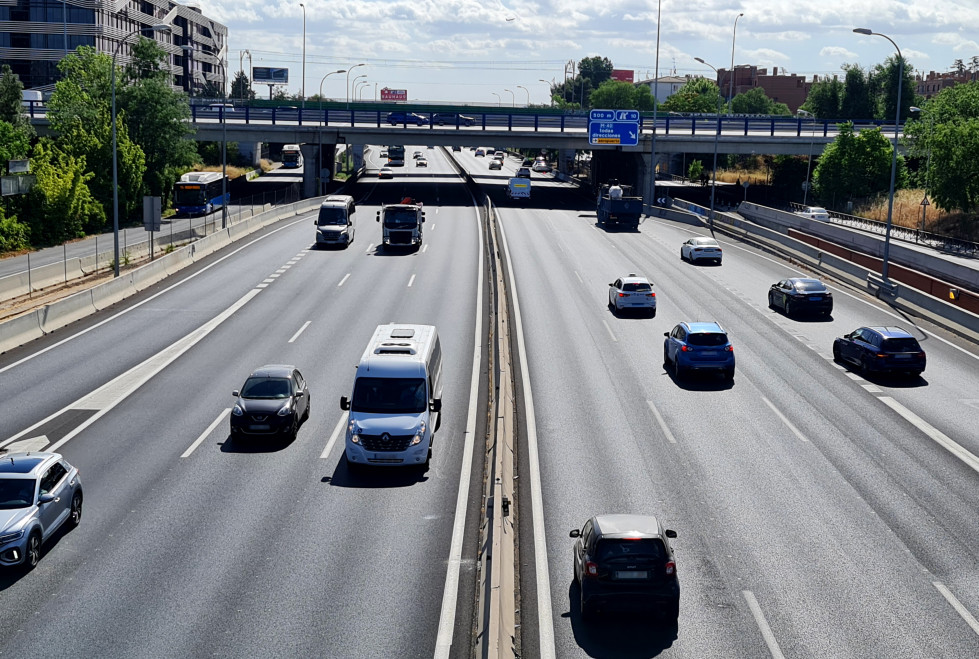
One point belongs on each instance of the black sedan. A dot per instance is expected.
(880, 349)
(800, 295)
(274, 401)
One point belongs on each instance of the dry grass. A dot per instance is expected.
(907, 213)
(233, 172)
(754, 177)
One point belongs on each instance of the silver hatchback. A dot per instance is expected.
(39, 492)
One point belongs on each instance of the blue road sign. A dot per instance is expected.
(620, 127)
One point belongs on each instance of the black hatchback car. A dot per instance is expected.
(625, 563)
(881, 349)
(274, 401)
(799, 295)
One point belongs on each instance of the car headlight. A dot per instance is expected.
(286, 410)
(353, 432)
(236, 410)
(419, 435)
(10, 537)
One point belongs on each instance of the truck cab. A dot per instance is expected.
(401, 224)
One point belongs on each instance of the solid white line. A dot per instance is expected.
(450, 594)
(300, 331)
(609, 329)
(369, 248)
(958, 606)
(941, 438)
(336, 434)
(662, 424)
(411, 281)
(579, 277)
(210, 429)
(545, 619)
(345, 278)
(766, 631)
(785, 420)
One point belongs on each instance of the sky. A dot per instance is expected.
(499, 51)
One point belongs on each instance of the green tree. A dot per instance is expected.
(14, 235)
(695, 170)
(753, 101)
(697, 95)
(856, 102)
(11, 94)
(644, 100)
(887, 74)
(824, 99)
(855, 166)
(595, 70)
(241, 88)
(63, 204)
(15, 142)
(615, 95)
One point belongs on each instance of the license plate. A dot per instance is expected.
(815, 298)
(902, 356)
(263, 426)
(708, 353)
(631, 574)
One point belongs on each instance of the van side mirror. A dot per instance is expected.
(670, 533)
(235, 393)
(344, 403)
(575, 533)
(435, 405)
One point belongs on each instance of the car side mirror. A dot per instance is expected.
(435, 405)
(344, 403)
(666, 334)
(235, 393)
(611, 284)
(575, 533)
(670, 533)
(45, 498)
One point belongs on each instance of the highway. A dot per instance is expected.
(819, 513)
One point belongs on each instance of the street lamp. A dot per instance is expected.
(361, 84)
(348, 81)
(550, 98)
(319, 153)
(897, 123)
(499, 101)
(224, 146)
(513, 98)
(158, 27)
(652, 146)
(304, 57)
(924, 200)
(730, 99)
(812, 138)
(713, 183)
(324, 80)
(528, 93)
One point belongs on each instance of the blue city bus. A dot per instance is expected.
(199, 193)
(292, 156)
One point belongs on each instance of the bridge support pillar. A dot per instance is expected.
(250, 151)
(357, 150)
(565, 161)
(310, 158)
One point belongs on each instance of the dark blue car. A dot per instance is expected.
(396, 118)
(880, 349)
(698, 346)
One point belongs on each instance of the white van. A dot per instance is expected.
(335, 222)
(396, 404)
(31, 98)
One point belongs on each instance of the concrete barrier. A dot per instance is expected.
(107, 294)
(177, 260)
(149, 274)
(56, 315)
(18, 331)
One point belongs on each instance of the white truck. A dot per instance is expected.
(401, 224)
(518, 188)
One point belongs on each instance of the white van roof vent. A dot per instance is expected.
(391, 348)
(402, 333)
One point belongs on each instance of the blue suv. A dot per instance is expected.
(877, 349)
(698, 346)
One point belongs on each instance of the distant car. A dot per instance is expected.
(495, 164)
(523, 172)
(698, 346)
(881, 349)
(814, 213)
(421, 162)
(451, 118)
(416, 154)
(527, 162)
(39, 493)
(625, 563)
(472, 148)
(384, 153)
(480, 153)
(385, 172)
(398, 118)
(541, 166)
(457, 148)
(632, 292)
(274, 401)
(228, 107)
(701, 249)
(801, 295)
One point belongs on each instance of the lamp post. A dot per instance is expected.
(897, 124)
(303, 103)
(652, 146)
(713, 182)
(499, 101)
(324, 80)
(159, 27)
(348, 81)
(730, 99)
(528, 93)
(224, 146)
(359, 86)
(549, 97)
(924, 200)
(319, 153)
(513, 98)
(812, 138)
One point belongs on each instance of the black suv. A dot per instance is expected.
(625, 563)
(878, 349)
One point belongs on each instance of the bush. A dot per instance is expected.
(14, 235)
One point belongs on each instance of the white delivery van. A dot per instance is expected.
(396, 404)
(335, 221)
(518, 188)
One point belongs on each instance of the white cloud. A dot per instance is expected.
(838, 52)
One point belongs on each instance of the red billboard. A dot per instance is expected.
(394, 94)
(625, 75)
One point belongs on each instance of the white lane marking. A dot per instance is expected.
(369, 248)
(784, 419)
(766, 631)
(872, 388)
(579, 277)
(957, 605)
(424, 247)
(450, 594)
(336, 434)
(345, 278)
(662, 424)
(106, 397)
(940, 438)
(609, 330)
(204, 435)
(147, 300)
(30, 444)
(268, 280)
(262, 286)
(545, 620)
(300, 331)
(411, 281)
(856, 377)
(432, 228)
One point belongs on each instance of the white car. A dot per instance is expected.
(697, 249)
(814, 213)
(541, 166)
(385, 172)
(632, 292)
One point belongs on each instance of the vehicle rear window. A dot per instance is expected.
(706, 242)
(707, 339)
(906, 344)
(811, 286)
(637, 288)
(649, 548)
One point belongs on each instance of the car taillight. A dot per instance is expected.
(591, 569)
(729, 348)
(652, 295)
(621, 294)
(921, 354)
(881, 355)
(670, 568)
(685, 349)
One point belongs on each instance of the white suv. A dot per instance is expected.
(632, 292)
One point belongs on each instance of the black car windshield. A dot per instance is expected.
(649, 548)
(707, 339)
(810, 286)
(267, 388)
(330, 216)
(637, 288)
(389, 395)
(907, 344)
(16, 493)
(400, 217)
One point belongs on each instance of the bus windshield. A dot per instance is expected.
(188, 195)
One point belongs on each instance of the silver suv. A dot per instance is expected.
(39, 492)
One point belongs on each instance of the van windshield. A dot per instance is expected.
(329, 216)
(389, 396)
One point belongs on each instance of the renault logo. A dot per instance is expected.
(385, 438)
